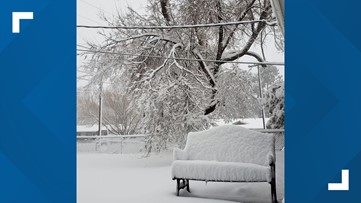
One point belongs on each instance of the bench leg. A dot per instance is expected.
(178, 186)
(273, 191)
(188, 185)
(182, 184)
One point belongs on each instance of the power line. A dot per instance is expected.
(105, 82)
(86, 18)
(177, 26)
(185, 59)
(92, 5)
(82, 46)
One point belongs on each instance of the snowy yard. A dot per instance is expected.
(116, 178)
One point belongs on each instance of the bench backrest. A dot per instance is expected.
(230, 143)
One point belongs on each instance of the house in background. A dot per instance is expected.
(86, 130)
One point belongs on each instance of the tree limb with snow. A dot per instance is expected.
(178, 96)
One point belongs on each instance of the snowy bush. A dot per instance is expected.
(237, 95)
(274, 102)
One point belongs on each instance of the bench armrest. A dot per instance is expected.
(271, 159)
(272, 164)
(179, 154)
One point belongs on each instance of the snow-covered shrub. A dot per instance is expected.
(274, 102)
(236, 94)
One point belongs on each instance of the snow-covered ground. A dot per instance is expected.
(103, 177)
(115, 178)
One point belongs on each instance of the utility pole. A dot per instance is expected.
(100, 109)
(260, 92)
(260, 83)
(100, 115)
(261, 97)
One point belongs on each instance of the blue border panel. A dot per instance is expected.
(323, 99)
(37, 103)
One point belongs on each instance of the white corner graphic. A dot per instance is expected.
(17, 16)
(344, 185)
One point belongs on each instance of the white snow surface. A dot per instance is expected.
(230, 143)
(116, 178)
(220, 171)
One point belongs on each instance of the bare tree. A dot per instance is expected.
(119, 116)
(87, 109)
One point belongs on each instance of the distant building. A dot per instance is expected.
(84, 130)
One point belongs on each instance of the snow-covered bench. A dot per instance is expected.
(226, 154)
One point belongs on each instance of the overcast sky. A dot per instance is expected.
(88, 14)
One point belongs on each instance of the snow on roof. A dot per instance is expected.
(88, 128)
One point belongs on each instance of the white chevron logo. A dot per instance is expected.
(344, 185)
(17, 16)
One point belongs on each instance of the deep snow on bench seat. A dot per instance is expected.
(220, 171)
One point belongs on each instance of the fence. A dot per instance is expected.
(115, 144)
(126, 144)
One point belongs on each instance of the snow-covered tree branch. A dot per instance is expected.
(177, 96)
